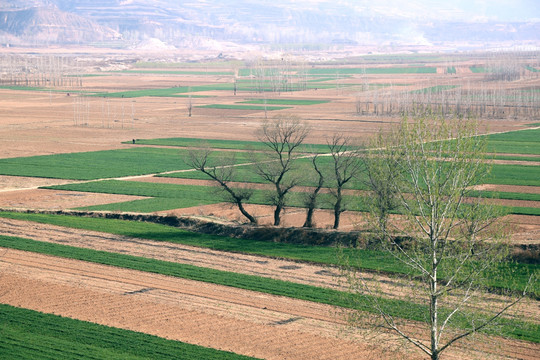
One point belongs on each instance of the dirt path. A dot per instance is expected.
(303, 273)
(210, 315)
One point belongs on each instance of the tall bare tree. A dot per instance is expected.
(310, 201)
(282, 136)
(223, 175)
(347, 164)
(448, 244)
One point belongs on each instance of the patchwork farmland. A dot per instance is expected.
(117, 145)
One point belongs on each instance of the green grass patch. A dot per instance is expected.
(224, 144)
(506, 195)
(524, 210)
(517, 158)
(242, 107)
(171, 196)
(381, 70)
(164, 196)
(399, 308)
(151, 205)
(103, 164)
(184, 91)
(478, 69)
(514, 175)
(28, 334)
(96, 164)
(178, 72)
(451, 70)
(284, 101)
(228, 64)
(515, 142)
(435, 89)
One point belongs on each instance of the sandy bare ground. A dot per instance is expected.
(315, 275)
(58, 199)
(10, 183)
(241, 321)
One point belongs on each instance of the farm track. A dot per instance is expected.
(286, 270)
(210, 315)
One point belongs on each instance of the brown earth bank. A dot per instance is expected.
(224, 318)
(509, 188)
(286, 270)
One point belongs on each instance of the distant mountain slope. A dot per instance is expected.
(51, 25)
(178, 22)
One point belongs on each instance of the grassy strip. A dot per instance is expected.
(500, 174)
(369, 259)
(28, 334)
(284, 101)
(434, 89)
(515, 142)
(516, 158)
(150, 205)
(176, 72)
(478, 69)
(381, 70)
(223, 144)
(399, 308)
(242, 107)
(506, 195)
(103, 164)
(513, 175)
(201, 65)
(183, 91)
(523, 210)
(164, 196)
(173, 196)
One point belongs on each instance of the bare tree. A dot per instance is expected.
(223, 175)
(310, 201)
(281, 136)
(449, 245)
(347, 165)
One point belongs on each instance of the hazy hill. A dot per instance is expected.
(261, 21)
(45, 24)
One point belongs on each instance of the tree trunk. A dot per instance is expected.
(251, 219)
(309, 217)
(277, 214)
(337, 209)
(434, 306)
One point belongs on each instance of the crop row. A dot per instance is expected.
(399, 308)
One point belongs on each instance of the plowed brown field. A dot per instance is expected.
(215, 316)
(170, 307)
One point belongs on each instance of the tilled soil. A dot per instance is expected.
(241, 321)
(298, 272)
(115, 296)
